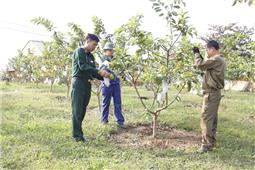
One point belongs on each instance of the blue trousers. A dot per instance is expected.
(108, 92)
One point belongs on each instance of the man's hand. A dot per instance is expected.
(104, 73)
(112, 76)
(195, 50)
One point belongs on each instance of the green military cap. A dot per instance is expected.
(92, 37)
(108, 46)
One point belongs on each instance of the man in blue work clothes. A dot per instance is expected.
(83, 70)
(111, 88)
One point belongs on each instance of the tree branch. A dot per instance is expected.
(171, 46)
(167, 105)
(141, 100)
(140, 72)
(155, 92)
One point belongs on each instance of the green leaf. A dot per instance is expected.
(157, 10)
(250, 2)
(174, 13)
(173, 21)
(234, 3)
(178, 99)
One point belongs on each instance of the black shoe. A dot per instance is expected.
(82, 139)
(204, 149)
(122, 126)
(104, 122)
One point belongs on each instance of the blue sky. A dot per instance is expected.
(16, 29)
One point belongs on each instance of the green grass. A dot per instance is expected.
(36, 133)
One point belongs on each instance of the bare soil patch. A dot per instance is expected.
(140, 136)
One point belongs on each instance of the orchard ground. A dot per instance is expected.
(36, 133)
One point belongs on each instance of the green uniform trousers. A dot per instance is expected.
(209, 118)
(80, 95)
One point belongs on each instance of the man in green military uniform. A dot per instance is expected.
(83, 70)
(213, 82)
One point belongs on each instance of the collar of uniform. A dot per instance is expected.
(108, 58)
(217, 55)
(88, 53)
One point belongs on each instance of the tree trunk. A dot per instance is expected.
(99, 103)
(98, 93)
(51, 85)
(154, 125)
(7, 82)
(68, 90)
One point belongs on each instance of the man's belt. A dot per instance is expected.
(82, 78)
(211, 90)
